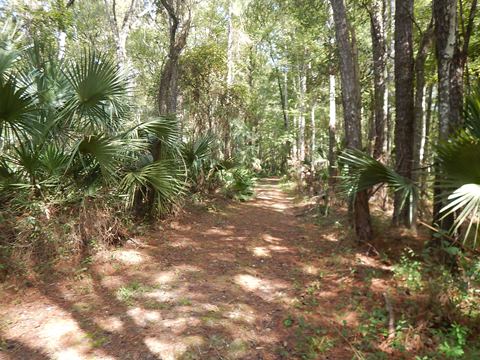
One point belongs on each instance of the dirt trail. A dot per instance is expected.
(227, 283)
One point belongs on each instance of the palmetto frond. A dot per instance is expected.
(54, 160)
(99, 93)
(9, 51)
(472, 113)
(197, 150)
(165, 129)
(17, 110)
(364, 172)
(7, 59)
(104, 151)
(465, 203)
(459, 161)
(162, 176)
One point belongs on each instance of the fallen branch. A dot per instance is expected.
(453, 241)
(356, 352)
(391, 317)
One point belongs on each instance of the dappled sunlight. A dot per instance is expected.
(186, 268)
(112, 281)
(266, 251)
(130, 257)
(373, 263)
(279, 249)
(71, 354)
(178, 325)
(310, 269)
(168, 349)
(162, 295)
(218, 231)
(182, 242)
(61, 337)
(261, 251)
(266, 289)
(271, 239)
(242, 312)
(144, 317)
(333, 237)
(165, 277)
(110, 323)
(211, 290)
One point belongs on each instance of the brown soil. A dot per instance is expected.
(229, 281)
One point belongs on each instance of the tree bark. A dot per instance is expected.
(332, 143)
(301, 116)
(457, 69)
(390, 78)
(332, 123)
(445, 13)
(445, 17)
(425, 146)
(120, 28)
(352, 109)
(419, 133)
(379, 45)
(404, 94)
(230, 49)
(313, 130)
(179, 28)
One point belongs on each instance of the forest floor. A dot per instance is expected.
(225, 280)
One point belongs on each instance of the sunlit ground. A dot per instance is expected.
(212, 286)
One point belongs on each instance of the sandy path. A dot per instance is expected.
(217, 284)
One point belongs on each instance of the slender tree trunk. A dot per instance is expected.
(285, 98)
(424, 148)
(282, 99)
(178, 33)
(445, 15)
(352, 109)
(332, 143)
(301, 116)
(313, 130)
(285, 115)
(379, 44)
(390, 78)
(62, 40)
(120, 29)
(295, 147)
(230, 47)
(445, 12)
(457, 69)
(405, 121)
(419, 133)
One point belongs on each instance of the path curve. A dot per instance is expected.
(217, 284)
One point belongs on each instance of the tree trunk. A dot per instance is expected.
(332, 143)
(352, 109)
(457, 69)
(445, 12)
(301, 116)
(424, 146)
(313, 130)
(390, 78)
(419, 132)
(178, 31)
(230, 49)
(62, 40)
(120, 29)
(445, 15)
(405, 121)
(379, 44)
